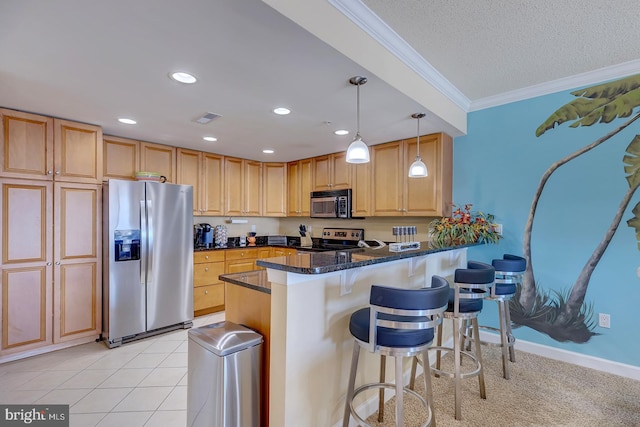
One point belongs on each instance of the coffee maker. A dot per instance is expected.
(202, 235)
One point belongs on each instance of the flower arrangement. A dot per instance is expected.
(464, 227)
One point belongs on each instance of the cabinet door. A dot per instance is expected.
(274, 184)
(253, 188)
(306, 185)
(293, 190)
(238, 266)
(77, 302)
(361, 185)
(233, 186)
(158, 158)
(188, 173)
(388, 179)
(26, 274)
(27, 145)
(321, 173)
(212, 187)
(120, 157)
(340, 171)
(77, 152)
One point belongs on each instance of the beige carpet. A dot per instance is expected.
(541, 392)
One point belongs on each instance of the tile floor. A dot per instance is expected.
(143, 383)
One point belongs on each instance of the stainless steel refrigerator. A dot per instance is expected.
(148, 259)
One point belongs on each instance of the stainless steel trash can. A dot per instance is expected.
(224, 366)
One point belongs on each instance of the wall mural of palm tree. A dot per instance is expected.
(567, 317)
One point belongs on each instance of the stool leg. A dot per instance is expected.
(383, 367)
(476, 333)
(426, 372)
(504, 339)
(512, 350)
(457, 342)
(414, 367)
(399, 393)
(439, 343)
(351, 385)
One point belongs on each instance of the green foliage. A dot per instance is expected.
(635, 222)
(463, 227)
(602, 103)
(632, 162)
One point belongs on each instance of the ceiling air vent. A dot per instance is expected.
(206, 118)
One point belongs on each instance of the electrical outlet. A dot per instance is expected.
(604, 320)
(498, 228)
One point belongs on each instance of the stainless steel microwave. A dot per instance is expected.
(331, 204)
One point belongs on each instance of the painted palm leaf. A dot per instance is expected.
(602, 103)
(632, 169)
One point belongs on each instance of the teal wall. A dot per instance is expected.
(497, 167)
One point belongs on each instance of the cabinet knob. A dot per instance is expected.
(206, 269)
(241, 253)
(206, 257)
(48, 263)
(49, 172)
(206, 292)
(57, 262)
(57, 172)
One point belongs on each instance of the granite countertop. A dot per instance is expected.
(326, 262)
(256, 280)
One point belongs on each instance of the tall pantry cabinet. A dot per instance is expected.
(50, 246)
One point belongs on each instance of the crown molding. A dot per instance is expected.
(567, 83)
(369, 22)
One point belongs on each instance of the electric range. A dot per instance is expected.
(336, 239)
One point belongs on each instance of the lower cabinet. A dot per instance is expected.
(241, 259)
(208, 290)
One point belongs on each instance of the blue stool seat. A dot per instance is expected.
(504, 289)
(398, 323)
(466, 305)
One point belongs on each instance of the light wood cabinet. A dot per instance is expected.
(361, 189)
(398, 195)
(188, 172)
(279, 251)
(243, 187)
(158, 158)
(208, 290)
(38, 147)
(26, 266)
(241, 259)
(331, 172)
(77, 277)
(121, 157)
(51, 266)
(274, 193)
(203, 171)
(300, 186)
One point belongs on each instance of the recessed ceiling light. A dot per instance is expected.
(182, 77)
(127, 121)
(341, 132)
(268, 151)
(210, 138)
(281, 111)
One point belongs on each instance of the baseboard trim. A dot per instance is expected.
(579, 359)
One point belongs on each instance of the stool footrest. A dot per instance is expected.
(370, 386)
(475, 372)
(510, 338)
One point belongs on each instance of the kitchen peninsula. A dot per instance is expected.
(312, 296)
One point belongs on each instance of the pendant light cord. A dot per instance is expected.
(358, 108)
(418, 146)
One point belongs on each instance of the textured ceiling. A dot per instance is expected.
(488, 47)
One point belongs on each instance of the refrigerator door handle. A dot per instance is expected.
(143, 247)
(149, 241)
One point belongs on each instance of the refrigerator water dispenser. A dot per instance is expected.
(127, 245)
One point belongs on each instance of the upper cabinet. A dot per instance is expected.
(38, 147)
(203, 171)
(243, 187)
(331, 172)
(274, 193)
(121, 157)
(398, 195)
(158, 158)
(361, 189)
(300, 187)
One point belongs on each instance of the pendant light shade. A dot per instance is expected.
(358, 152)
(418, 169)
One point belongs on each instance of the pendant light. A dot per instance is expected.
(358, 152)
(418, 169)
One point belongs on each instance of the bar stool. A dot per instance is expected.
(509, 271)
(471, 286)
(398, 323)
